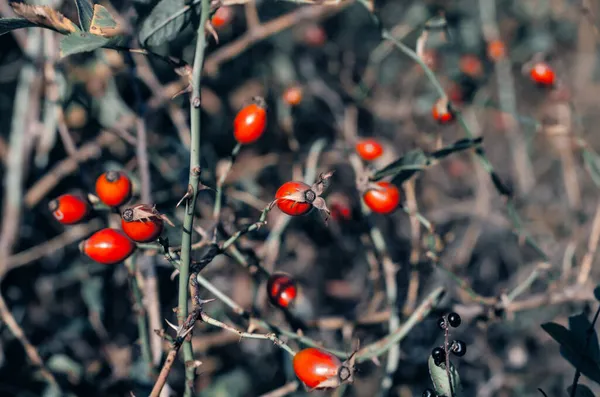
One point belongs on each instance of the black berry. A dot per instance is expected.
(454, 320)
(428, 393)
(458, 348)
(441, 323)
(439, 355)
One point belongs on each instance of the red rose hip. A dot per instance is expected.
(108, 246)
(69, 208)
(250, 122)
(369, 149)
(542, 74)
(282, 290)
(313, 366)
(291, 206)
(113, 188)
(384, 199)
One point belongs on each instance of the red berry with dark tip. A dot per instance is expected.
(113, 188)
(108, 246)
(293, 207)
(69, 208)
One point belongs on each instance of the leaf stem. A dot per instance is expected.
(194, 178)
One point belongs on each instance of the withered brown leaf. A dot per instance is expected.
(45, 16)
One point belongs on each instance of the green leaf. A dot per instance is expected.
(458, 146)
(81, 42)
(406, 166)
(592, 164)
(8, 24)
(579, 325)
(581, 391)
(85, 11)
(167, 20)
(440, 380)
(572, 349)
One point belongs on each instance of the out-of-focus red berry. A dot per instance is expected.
(292, 207)
(369, 149)
(542, 74)
(282, 290)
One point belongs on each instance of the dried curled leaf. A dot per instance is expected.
(46, 17)
(103, 24)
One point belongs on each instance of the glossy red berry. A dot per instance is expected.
(369, 149)
(542, 74)
(250, 122)
(294, 207)
(143, 231)
(293, 95)
(69, 208)
(282, 290)
(222, 17)
(384, 199)
(441, 113)
(313, 366)
(113, 188)
(108, 246)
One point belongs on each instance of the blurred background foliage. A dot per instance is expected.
(542, 143)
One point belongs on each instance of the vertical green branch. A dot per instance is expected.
(194, 179)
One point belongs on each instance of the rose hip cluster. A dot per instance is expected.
(456, 347)
(140, 223)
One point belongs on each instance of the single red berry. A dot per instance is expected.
(313, 366)
(113, 188)
(294, 207)
(340, 212)
(315, 36)
(496, 50)
(222, 17)
(69, 208)
(282, 290)
(471, 66)
(441, 113)
(251, 121)
(369, 149)
(384, 199)
(293, 95)
(542, 74)
(108, 246)
(142, 231)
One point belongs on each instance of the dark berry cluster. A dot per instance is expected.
(456, 347)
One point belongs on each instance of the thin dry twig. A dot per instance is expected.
(30, 350)
(268, 29)
(588, 258)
